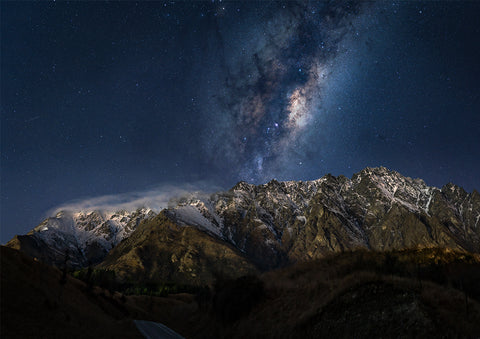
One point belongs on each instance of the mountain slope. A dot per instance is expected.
(160, 250)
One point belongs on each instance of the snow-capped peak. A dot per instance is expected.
(85, 232)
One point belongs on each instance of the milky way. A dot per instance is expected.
(271, 97)
(99, 99)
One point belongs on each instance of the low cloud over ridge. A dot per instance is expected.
(156, 199)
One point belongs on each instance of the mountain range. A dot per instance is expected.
(252, 228)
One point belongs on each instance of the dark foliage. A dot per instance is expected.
(234, 299)
(106, 279)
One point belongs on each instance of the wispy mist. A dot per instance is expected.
(156, 199)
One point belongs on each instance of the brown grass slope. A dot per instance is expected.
(36, 303)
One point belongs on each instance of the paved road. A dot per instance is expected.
(152, 330)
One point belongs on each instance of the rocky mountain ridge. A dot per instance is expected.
(377, 209)
(274, 224)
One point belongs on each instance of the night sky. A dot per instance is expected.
(105, 99)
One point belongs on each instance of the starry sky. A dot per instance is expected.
(99, 99)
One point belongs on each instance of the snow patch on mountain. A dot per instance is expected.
(191, 215)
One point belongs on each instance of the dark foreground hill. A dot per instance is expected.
(38, 302)
(361, 294)
(425, 293)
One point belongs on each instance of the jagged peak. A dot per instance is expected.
(143, 209)
(63, 214)
(328, 178)
(378, 171)
(454, 191)
(242, 186)
(452, 187)
(376, 174)
(274, 183)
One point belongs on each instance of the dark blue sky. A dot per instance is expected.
(107, 98)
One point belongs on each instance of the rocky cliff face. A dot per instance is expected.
(268, 225)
